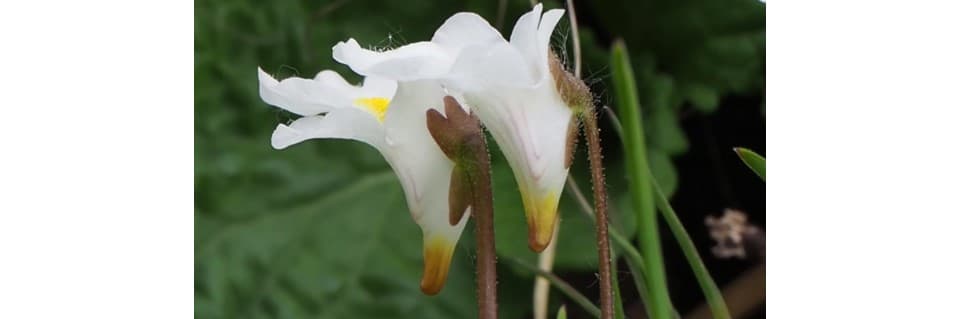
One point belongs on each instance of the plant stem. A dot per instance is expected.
(589, 116)
(600, 209)
(575, 33)
(541, 286)
(633, 258)
(617, 296)
(460, 136)
(482, 211)
(592, 132)
(563, 287)
(640, 182)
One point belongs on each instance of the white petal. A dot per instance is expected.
(406, 119)
(530, 126)
(524, 35)
(480, 68)
(424, 173)
(343, 123)
(305, 96)
(421, 60)
(333, 80)
(465, 29)
(432, 213)
(429, 205)
(374, 86)
(423, 169)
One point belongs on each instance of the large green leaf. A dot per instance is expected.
(353, 253)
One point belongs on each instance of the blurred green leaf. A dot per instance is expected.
(719, 45)
(703, 97)
(354, 253)
(663, 170)
(754, 161)
(686, 53)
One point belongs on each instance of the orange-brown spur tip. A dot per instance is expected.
(540, 235)
(541, 216)
(535, 244)
(436, 264)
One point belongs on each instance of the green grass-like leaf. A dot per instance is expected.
(713, 295)
(710, 291)
(754, 161)
(640, 191)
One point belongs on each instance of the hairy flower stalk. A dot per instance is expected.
(460, 137)
(600, 206)
(577, 95)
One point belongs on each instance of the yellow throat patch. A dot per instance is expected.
(375, 105)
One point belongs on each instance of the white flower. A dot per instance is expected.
(517, 88)
(392, 119)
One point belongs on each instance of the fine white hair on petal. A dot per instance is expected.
(343, 123)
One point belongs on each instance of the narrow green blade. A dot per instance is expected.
(641, 192)
(753, 160)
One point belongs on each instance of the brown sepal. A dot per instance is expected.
(573, 133)
(572, 90)
(458, 129)
(461, 194)
(457, 134)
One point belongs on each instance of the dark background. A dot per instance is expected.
(321, 230)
